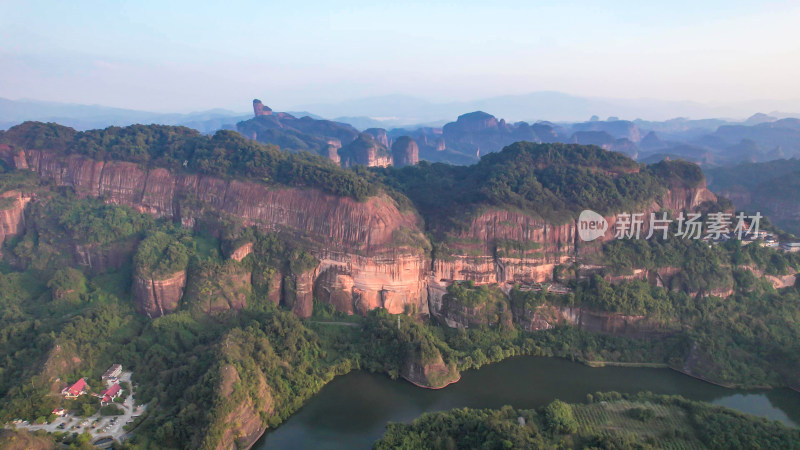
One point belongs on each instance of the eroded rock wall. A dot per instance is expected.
(12, 214)
(157, 297)
(361, 267)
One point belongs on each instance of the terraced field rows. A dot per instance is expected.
(616, 416)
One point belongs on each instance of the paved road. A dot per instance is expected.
(343, 324)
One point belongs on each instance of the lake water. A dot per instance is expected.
(351, 412)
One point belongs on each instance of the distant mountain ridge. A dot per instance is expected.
(710, 142)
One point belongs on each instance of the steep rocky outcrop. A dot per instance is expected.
(431, 374)
(404, 152)
(157, 297)
(12, 214)
(241, 252)
(104, 257)
(292, 133)
(354, 283)
(365, 151)
(260, 110)
(243, 425)
(335, 222)
(379, 134)
(298, 293)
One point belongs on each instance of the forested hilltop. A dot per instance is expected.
(226, 154)
(215, 303)
(608, 421)
(551, 181)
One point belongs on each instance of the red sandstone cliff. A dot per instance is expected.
(12, 214)
(158, 297)
(361, 267)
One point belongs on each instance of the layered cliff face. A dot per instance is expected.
(298, 293)
(502, 246)
(12, 214)
(333, 222)
(362, 265)
(156, 298)
(354, 283)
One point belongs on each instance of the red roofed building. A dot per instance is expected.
(59, 412)
(76, 390)
(110, 394)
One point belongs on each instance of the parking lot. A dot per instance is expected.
(96, 425)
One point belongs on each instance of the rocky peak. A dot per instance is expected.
(652, 142)
(260, 110)
(365, 151)
(379, 134)
(405, 152)
(474, 121)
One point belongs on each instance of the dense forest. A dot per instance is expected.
(607, 421)
(226, 154)
(556, 181)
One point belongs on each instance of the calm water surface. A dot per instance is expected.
(351, 412)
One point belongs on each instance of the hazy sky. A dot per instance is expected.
(193, 55)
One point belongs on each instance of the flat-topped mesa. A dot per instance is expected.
(260, 110)
(355, 239)
(329, 221)
(158, 297)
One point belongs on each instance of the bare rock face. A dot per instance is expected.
(260, 110)
(12, 214)
(242, 251)
(365, 151)
(433, 374)
(379, 134)
(333, 150)
(298, 293)
(679, 198)
(158, 297)
(13, 157)
(243, 425)
(101, 258)
(275, 288)
(353, 283)
(333, 222)
(405, 152)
